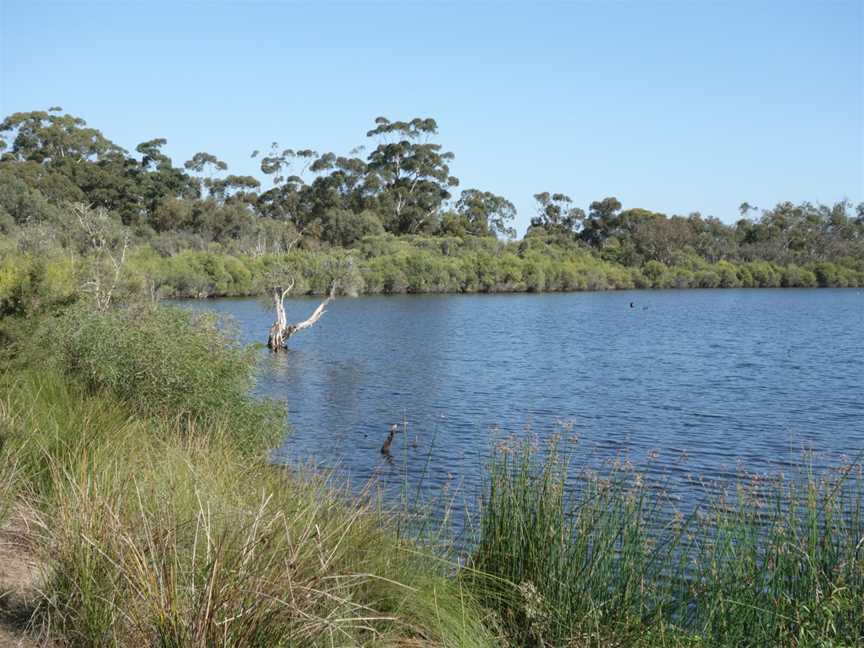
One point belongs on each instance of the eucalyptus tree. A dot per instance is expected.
(68, 161)
(48, 137)
(323, 195)
(409, 174)
(601, 222)
(286, 199)
(485, 213)
(206, 167)
(340, 182)
(745, 208)
(556, 214)
(158, 178)
(235, 188)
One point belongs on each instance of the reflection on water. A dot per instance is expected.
(697, 381)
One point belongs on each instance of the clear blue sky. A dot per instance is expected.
(673, 106)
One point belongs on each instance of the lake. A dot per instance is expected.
(684, 384)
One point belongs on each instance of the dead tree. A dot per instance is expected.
(281, 330)
(107, 251)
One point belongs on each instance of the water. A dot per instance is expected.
(683, 383)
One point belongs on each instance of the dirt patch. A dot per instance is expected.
(20, 575)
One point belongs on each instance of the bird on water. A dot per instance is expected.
(385, 449)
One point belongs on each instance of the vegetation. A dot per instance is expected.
(130, 444)
(571, 557)
(74, 206)
(168, 527)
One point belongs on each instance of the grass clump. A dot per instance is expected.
(159, 524)
(569, 558)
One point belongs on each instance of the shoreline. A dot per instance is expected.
(142, 455)
(260, 295)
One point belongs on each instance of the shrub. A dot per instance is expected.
(707, 279)
(31, 285)
(728, 275)
(792, 277)
(166, 362)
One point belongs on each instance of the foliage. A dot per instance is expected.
(571, 557)
(163, 362)
(31, 284)
(318, 202)
(153, 532)
(137, 453)
(410, 174)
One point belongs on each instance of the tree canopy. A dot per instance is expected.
(402, 187)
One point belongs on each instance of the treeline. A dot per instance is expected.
(73, 205)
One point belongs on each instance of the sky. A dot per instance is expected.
(672, 106)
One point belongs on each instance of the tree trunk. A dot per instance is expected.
(281, 331)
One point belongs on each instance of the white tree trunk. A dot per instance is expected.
(281, 331)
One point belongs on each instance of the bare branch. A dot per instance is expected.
(96, 225)
(318, 312)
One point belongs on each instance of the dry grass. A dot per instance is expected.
(21, 579)
(168, 537)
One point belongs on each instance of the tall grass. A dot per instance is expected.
(172, 530)
(773, 563)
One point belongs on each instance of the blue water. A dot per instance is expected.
(685, 384)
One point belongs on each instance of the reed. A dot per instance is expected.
(567, 557)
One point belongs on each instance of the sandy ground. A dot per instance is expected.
(19, 582)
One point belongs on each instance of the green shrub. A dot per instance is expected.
(31, 284)
(165, 362)
(707, 279)
(765, 274)
(728, 276)
(794, 277)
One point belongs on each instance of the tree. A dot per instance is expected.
(69, 161)
(158, 178)
(409, 175)
(343, 227)
(235, 188)
(601, 222)
(485, 213)
(227, 222)
(206, 166)
(48, 137)
(286, 199)
(745, 208)
(281, 331)
(556, 214)
(341, 182)
(107, 250)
